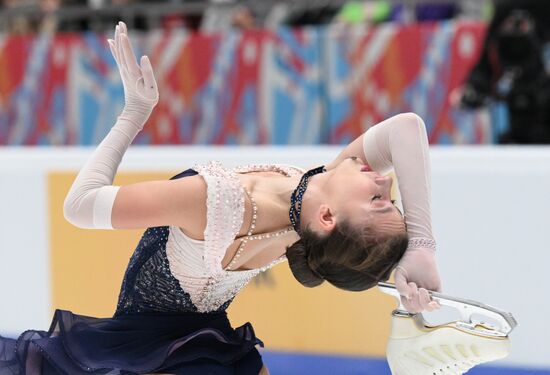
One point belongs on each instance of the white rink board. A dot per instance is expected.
(490, 215)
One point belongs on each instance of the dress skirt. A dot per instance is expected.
(182, 343)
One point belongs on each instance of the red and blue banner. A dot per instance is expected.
(289, 86)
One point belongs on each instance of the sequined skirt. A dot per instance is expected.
(186, 343)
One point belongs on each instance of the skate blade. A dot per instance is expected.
(467, 308)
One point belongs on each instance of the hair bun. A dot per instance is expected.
(298, 263)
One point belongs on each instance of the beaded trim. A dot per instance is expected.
(418, 242)
(249, 235)
(298, 194)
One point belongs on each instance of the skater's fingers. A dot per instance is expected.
(129, 56)
(113, 50)
(413, 290)
(120, 53)
(411, 301)
(401, 282)
(148, 75)
(411, 305)
(414, 298)
(115, 38)
(123, 27)
(424, 299)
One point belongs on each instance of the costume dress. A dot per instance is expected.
(171, 312)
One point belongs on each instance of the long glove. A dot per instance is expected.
(140, 88)
(90, 200)
(417, 264)
(401, 143)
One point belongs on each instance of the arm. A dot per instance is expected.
(401, 143)
(92, 201)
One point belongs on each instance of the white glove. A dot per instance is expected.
(140, 88)
(414, 276)
(90, 200)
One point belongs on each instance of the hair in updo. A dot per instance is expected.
(348, 258)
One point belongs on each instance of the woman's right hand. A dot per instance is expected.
(140, 87)
(416, 274)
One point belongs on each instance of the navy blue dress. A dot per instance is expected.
(155, 329)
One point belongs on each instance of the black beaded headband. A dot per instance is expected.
(298, 194)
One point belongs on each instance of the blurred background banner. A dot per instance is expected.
(307, 85)
(374, 73)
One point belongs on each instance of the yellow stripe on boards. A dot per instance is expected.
(288, 316)
(87, 268)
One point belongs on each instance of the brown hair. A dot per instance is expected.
(348, 258)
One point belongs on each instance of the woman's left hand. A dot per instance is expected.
(415, 275)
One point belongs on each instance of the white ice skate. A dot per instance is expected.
(418, 348)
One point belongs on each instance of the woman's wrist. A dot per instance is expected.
(421, 243)
(137, 115)
(129, 119)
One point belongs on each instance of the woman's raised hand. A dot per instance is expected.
(140, 88)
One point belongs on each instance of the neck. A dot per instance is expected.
(283, 195)
(279, 190)
(298, 194)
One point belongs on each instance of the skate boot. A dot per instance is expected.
(417, 348)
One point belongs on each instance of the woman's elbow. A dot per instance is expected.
(90, 209)
(411, 118)
(412, 123)
(70, 211)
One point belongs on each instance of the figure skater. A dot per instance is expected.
(211, 229)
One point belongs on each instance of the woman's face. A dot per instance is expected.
(354, 192)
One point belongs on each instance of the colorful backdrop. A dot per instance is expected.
(289, 86)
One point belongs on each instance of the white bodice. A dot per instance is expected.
(197, 264)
